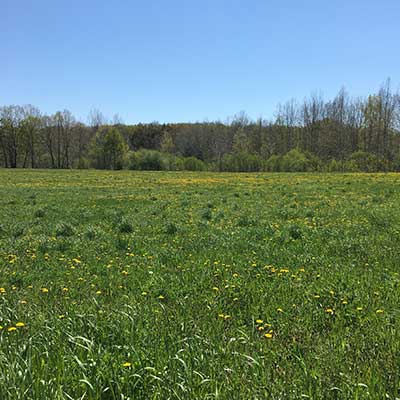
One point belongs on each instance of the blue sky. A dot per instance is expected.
(189, 60)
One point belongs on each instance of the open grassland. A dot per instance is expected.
(118, 285)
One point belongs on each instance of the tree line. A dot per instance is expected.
(341, 134)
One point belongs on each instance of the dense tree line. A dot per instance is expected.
(342, 134)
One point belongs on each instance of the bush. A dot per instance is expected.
(297, 161)
(147, 160)
(193, 164)
(363, 161)
(242, 162)
(273, 164)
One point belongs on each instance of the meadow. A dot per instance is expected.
(175, 285)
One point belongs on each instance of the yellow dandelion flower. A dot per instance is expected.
(11, 329)
(126, 364)
(329, 310)
(20, 324)
(268, 335)
(98, 292)
(161, 297)
(359, 308)
(44, 290)
(259, 321)
(279, 310)
(380, 311)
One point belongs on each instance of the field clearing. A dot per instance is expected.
(178, 285)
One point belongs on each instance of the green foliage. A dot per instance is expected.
(274, 163)
(192, 164)
(365, 162)
(147, 160)
(108, 149)
(296, 161)
(242, 162)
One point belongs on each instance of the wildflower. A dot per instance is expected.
(124, 273)
(215, 289)
(259, 321)
(2, 290)
(279, 310)
(144, 293)
(61, 316)
(161, 297)
(44, 290)
(380, 311)
(98, 292)
(127, 364)
(268, 335)
(329, 311)
(23, 302)
(65, 289)
(344, 301)
(19, 324)
(359, 308)
(11, 329)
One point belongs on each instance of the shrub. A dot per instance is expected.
(273, 164)
(365, 162)
(242, 162)
(193, 164)
(147, 160)
(297, 161)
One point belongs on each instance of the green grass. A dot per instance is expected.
(170, 272)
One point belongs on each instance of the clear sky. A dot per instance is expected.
(189, 60)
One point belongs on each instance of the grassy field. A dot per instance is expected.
(128, 285)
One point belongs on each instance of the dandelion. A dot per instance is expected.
(23, 302)
(2, 290)
(61, 316)
(144, 293)
(380, 311)
(259, 321)
(279, 310)
(215, 289)
(161, 297)
(359, 308)
(268, 335)
(126, 364)
(65, 289)
(44, 290)
(19, 324)
(11, 329)
(329, 311)
(98, 292)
